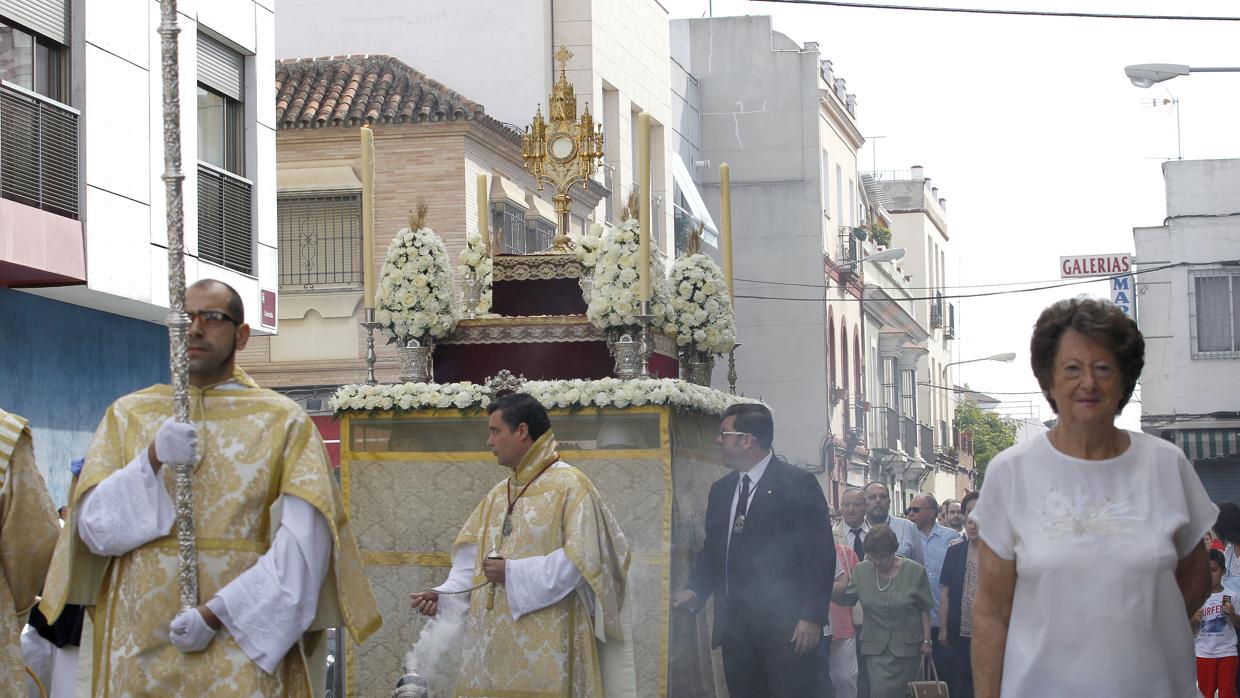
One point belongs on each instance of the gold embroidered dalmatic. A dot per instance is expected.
(551, 652)
(27, 535)
(254, 445)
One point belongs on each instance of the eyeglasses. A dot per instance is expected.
(914, 510)
(210, 317)
(734, 433)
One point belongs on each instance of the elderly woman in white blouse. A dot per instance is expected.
(1049, 620)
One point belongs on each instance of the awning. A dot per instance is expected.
(697, 207)
(1201, 444)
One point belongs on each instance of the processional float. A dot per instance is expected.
(413, 462)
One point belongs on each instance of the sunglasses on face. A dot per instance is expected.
(733, 433)
(914, 510)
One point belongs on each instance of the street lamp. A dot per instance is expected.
(1006, 357)
(1147, 74)
(889, 255)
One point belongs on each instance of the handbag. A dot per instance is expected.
(927, 684)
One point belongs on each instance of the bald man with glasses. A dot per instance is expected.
(769, 560)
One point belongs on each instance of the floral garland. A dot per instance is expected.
(414, 298)
(613, 302)
(569, 394)
(704, 319)
(409, 396)
(475, 258)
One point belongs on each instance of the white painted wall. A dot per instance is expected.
(116, 84)
(1199, 195)
(760, 114)
(919, 225)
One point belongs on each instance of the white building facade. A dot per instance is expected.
(774, 111)
(919, 225)
(84, 233)
(1189, 314)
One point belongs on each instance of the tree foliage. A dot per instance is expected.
(991, 434)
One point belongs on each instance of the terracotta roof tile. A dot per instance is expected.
(352, 90)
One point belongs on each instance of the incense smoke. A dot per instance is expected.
(436, 654)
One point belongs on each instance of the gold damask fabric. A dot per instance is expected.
(254, 445)
(550, 653)
(27, 535)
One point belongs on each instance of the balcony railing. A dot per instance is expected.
(926, 442)
(850, 246)
(38, 151)
(887, 428)
(908, 435)
(225, 219)
(936, 311)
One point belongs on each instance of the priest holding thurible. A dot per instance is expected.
(556, 563)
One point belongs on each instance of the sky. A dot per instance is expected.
(1031, 131)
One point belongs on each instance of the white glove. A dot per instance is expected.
(176, 443)
(189, 632)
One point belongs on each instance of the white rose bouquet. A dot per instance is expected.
(475, 258)
(588, 246)
(614, 302)
(414, 298)
(704, 319)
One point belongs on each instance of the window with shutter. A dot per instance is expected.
(225, 197)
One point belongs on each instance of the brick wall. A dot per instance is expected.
(413, 162)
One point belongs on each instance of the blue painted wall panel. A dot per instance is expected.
(61, 365)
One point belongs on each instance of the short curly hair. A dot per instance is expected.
(880, 539)
(1099, 320)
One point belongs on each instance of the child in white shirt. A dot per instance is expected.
(1214, 625)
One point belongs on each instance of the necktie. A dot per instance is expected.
(858, 547)
(738, 521)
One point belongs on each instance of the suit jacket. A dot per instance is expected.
(782, 563)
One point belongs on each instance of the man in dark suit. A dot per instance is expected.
(769, 559)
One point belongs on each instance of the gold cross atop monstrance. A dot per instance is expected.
(564, 152)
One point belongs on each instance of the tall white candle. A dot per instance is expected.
(483, 228)
(725, 244)
(368, 215)
(643, 216)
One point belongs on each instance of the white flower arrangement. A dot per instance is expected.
(614, 302)
(588, 246)
(409, 396)
(474, 257)
(704, 319)
(566, 394)
(414, 298)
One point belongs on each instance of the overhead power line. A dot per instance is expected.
(1018, 13)
(997, 284)
(1092, 279)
